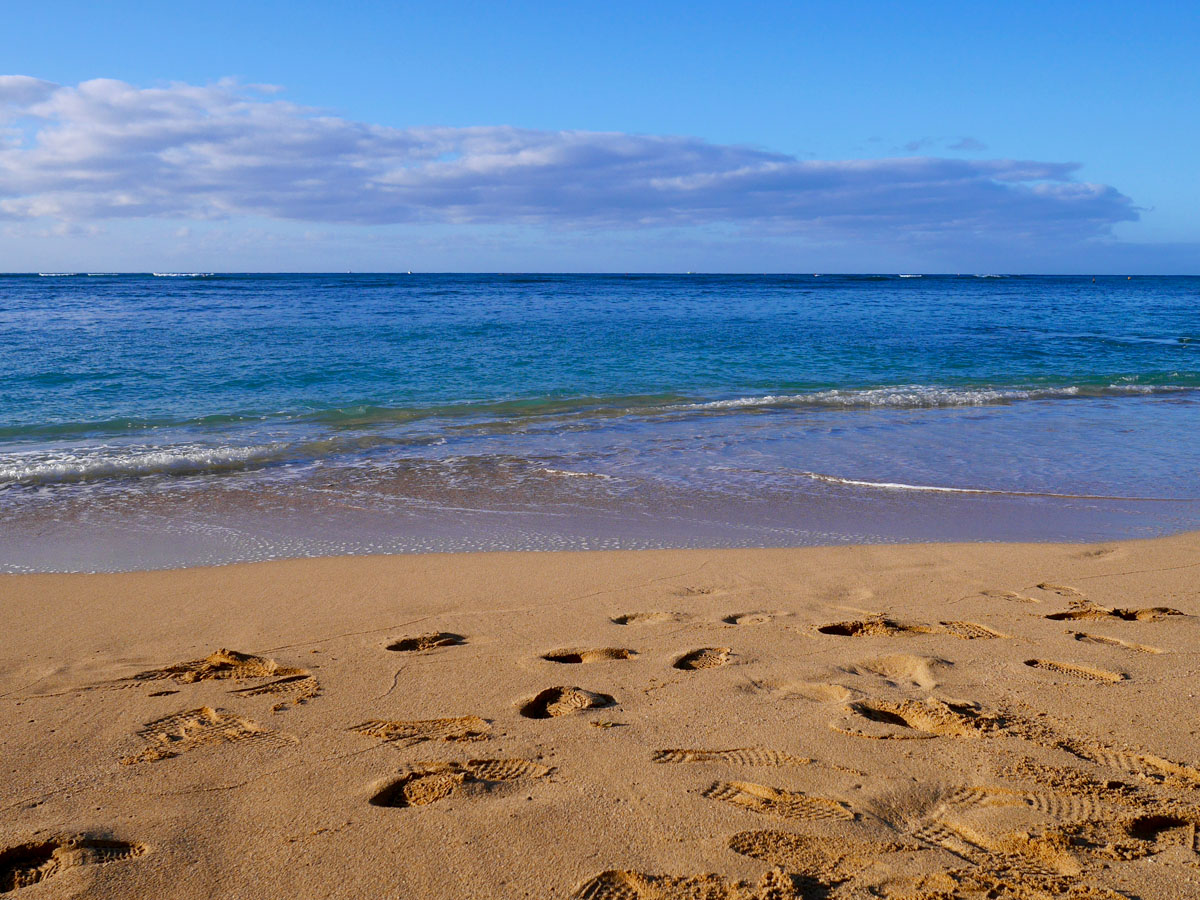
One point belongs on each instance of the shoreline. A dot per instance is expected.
(231, 524)
(513, 555)
(919, 720)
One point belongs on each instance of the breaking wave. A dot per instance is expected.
(931, 397)
(77, 466)
(940, 489)
(490, 414)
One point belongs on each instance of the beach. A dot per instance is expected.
(456, 452)
(912, 721)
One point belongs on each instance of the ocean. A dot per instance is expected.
(150, 421)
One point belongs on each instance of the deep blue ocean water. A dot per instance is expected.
(150, 421)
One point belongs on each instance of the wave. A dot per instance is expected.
(932, 397)
(940, 489)
(57, 274)
(123, 464)
(913, 396)
(134, 462)
(182, 274)
(508, 413)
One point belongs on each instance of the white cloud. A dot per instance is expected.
(21, 90)
(106, 149)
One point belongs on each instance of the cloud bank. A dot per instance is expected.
(104, 149)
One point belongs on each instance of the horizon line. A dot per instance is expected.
(600, 273)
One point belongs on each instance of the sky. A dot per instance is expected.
(463, 136)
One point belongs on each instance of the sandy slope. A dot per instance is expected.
(922, 721)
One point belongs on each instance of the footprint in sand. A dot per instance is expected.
(704, 658)
(830, 860)
(1062, 590)
(429, 641)
(696, 591)
(1123, 821)
(745, 756)
(1085, 610)
(946, 818)
(971, 631)
(1020, 865)
(426, 783)
(1100, 553)
(220, 665)
(27, 864)
(293, 689)
(937, 816)
(1113, 642)
(599, 654)
(1072, 782)
(564, 701)
(760, 798)
(881, 626)
(1085, 672)
(757, 617)
(1008, 595)
(1058, 806)
(740, 756)
(1134, 762)
(904, 671)
(648, 618)
(619, 884)
(290, 683)
(1163, 828)
(816, 691)
(408, 733)
(1062, 807)
(913, 720)
(882, 720)
(178, 733)
(872, 627)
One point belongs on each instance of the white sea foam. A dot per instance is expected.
(126, 462)
(942, 489)
(899, 485)
(181, 274)
(924, 397)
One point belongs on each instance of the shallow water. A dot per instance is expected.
(148, 421)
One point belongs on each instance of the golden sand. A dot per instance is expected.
(922, 722)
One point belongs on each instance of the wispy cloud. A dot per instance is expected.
(105, 149)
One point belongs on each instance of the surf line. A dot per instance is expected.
(931, 488)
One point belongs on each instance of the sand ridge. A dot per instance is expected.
(965, 739)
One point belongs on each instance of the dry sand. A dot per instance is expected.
(916, 721)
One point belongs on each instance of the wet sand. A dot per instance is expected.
(923, 721)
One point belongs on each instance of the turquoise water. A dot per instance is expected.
(166, 420)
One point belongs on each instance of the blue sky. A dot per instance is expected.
(618, 136)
